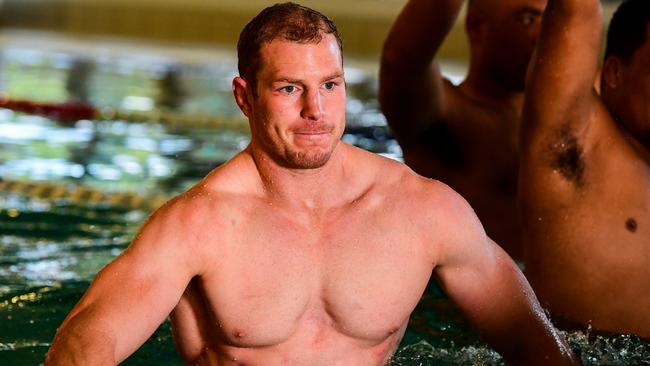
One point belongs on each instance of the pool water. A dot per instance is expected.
(63, 214)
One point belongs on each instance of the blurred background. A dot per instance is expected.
(363, 23)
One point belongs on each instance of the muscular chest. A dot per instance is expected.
(622, 197)
(279, 279)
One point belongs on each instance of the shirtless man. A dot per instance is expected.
(299, 250)
(464, 135)
(585, 178)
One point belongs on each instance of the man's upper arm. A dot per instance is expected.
(411, 89)
(493, 294)
(560, 88)
(478, 276)
(561, 105)
(131, 296)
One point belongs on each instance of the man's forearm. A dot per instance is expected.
(420, 29)
(540, 344)
(79, 344)
(551, 352)
(587, 10)
(562, 74)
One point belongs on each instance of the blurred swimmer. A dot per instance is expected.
(464, 135)
(585, 177)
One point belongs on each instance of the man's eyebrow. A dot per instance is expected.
(287, 80)
(531, 10)
(335, 75)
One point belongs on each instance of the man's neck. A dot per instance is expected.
(309, 189)
(641, 147)
(487, 91)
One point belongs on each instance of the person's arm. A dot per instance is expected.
(561, 101)
(492, 293)
(131, 296)
(411, 86)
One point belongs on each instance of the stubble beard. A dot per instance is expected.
(292, 157)
(296, 157)
(308, 158)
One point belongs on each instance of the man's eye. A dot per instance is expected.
(527, 19)
(289, 89)
(329, 85)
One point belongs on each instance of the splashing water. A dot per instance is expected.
(620, 350)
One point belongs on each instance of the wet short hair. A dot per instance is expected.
(627, 29)
(286, 21)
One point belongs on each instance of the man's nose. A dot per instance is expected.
(312, 108)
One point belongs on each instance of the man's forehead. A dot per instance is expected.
(497, 6)
(325, 40)
(282, 52)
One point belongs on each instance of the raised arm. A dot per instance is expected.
(130, 297)
(492, 293)
(411, 86)
(560, 94)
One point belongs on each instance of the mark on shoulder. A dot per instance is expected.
(567, 155)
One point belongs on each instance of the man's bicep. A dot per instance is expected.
(491, 292)
(468, 258)
(560, 97)
(132, 295)
(560, 84)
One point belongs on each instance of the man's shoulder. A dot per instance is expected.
(219, 194)
(236, 176)
(466, 104)
(399, 181)
(432, 208)
(380, 170)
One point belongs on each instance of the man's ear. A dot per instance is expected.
(243, 95)
(611, 76)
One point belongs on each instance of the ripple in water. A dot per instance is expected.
(621, 350)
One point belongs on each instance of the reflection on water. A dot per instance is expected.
(51, 247)
(111, 155)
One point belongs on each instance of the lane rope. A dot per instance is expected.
(83, 195)
(71, 112)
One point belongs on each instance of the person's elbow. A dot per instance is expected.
(79, 343)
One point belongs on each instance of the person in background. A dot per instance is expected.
(299, 250)
(585, 177)
(464, 135)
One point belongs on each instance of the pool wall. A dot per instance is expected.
(364, 24)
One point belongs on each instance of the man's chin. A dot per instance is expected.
(308, 162)
(307, 159)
